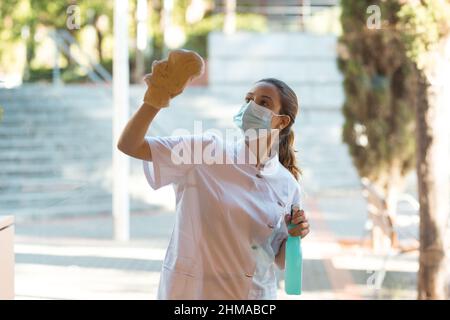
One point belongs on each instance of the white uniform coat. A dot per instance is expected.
(229, 221)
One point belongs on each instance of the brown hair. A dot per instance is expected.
(289, 107)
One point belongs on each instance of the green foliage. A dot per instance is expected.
(12, 17)
(423, 24)
(13, 14)
(18, 16)
(378, 82)
(38, 16)
(197, 33)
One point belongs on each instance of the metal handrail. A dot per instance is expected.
(104, 74)
(66, 49)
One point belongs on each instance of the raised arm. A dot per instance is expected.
(132, 140)
(168, 79)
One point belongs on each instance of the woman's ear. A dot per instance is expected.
(284, 122)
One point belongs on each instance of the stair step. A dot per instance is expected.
(45, 133)
(53, 144)
(69, 154)
(76, 209)
(51, 199)
(11, 191)
(27, 184)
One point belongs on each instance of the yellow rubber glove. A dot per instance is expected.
(170, 76)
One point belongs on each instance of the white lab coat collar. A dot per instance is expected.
(268, 166)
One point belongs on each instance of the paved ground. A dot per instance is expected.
(74, 258)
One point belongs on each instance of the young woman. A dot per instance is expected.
(231, 220)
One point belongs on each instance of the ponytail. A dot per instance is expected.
(287, 153)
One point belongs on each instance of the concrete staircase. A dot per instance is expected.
(306, 62)
(55, 147)
(55, 142)
(55, 151)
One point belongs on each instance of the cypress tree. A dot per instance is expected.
(379, 107)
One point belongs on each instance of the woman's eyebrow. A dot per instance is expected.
(250, 93)
(268, 97)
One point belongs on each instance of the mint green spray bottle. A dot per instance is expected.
(293, 262)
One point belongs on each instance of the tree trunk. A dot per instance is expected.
(30, 52)
(394, 187)
(382, 203)
(381, 232)
(99, 45)
(433, 184)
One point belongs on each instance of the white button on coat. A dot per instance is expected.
(229, 223)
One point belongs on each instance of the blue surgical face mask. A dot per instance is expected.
(254, 116)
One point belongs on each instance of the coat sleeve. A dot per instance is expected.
(172, 158)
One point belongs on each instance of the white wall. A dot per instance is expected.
(6, 257)
(306, 62)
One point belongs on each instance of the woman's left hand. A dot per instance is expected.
(302, 226)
